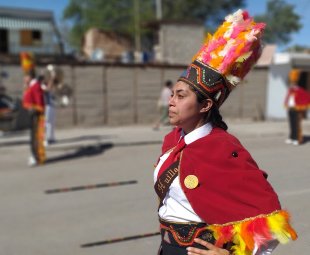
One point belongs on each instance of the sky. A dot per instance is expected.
(255, 7)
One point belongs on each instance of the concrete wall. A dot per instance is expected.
(248, 99)
(127, 94)
(179, 43)
(277, 89)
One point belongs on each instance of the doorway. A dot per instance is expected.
(4, 41)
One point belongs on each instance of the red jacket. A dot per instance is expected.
(33, 97)
(301, 98)
(233, 194)
(231, 186)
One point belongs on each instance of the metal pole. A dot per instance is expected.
(105, 95)
(137, 25)
(159, 12)
(120, 239)
(73, 82)
(91, 186)
(135, 95)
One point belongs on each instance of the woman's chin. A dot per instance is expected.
(173, 122)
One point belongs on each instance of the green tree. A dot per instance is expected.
(209, 12)
(111, 15)
(281, 22)
(118, 15)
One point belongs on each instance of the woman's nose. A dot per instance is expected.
(171, 100)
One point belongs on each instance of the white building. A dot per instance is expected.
(277, 85)
(28, 30)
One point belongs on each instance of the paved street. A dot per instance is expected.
(34, 222)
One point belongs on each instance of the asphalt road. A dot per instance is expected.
(101, 180)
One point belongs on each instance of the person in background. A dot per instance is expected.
(297, 101)
(48, 81)
(33, 101)
(163, 105)
(213, 197)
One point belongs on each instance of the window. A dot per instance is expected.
(36, 35)
(30, 37)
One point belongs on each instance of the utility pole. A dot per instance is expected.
(137, 25)
(159, 12)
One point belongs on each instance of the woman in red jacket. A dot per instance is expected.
(213, 198)
(297, 101)
(33, 101)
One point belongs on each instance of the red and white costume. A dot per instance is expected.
(232, 191)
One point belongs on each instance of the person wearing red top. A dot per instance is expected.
(33, 101)
(297, 101)
(213, 197)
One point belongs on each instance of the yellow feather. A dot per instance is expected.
(278, 226)
(240, 246)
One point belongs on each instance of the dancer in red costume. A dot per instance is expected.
(33, 101)
(213, 197)
(297, 101)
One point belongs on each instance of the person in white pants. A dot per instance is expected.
(50, 111)
(50, 115)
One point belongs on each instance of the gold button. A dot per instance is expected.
(191, 181)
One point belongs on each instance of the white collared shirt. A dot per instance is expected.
(291, 101)
(175, 206)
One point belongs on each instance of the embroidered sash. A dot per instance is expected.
(164, 181)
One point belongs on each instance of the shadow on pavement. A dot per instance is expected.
(84, 151)
(60, 141)
(83, 138)
(306, 139)
(93, 150)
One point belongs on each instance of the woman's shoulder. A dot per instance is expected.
(221, 136)
(218, 144)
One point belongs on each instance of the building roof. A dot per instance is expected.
(267, 55)
(21, 18)
(24, 13)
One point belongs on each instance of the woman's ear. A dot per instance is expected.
(206, 105)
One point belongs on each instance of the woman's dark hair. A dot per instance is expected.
(213, 114)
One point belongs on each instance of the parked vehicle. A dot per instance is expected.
(12, 115)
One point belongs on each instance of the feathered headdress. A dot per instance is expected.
(294, 75)
(27, 62)
(226, 57)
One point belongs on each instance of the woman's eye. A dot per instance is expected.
(180, 96)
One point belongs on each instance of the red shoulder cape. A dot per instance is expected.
(33, 97)
(231, 186)
(302, 97)
(233, 194)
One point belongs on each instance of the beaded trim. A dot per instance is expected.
(247, 219)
